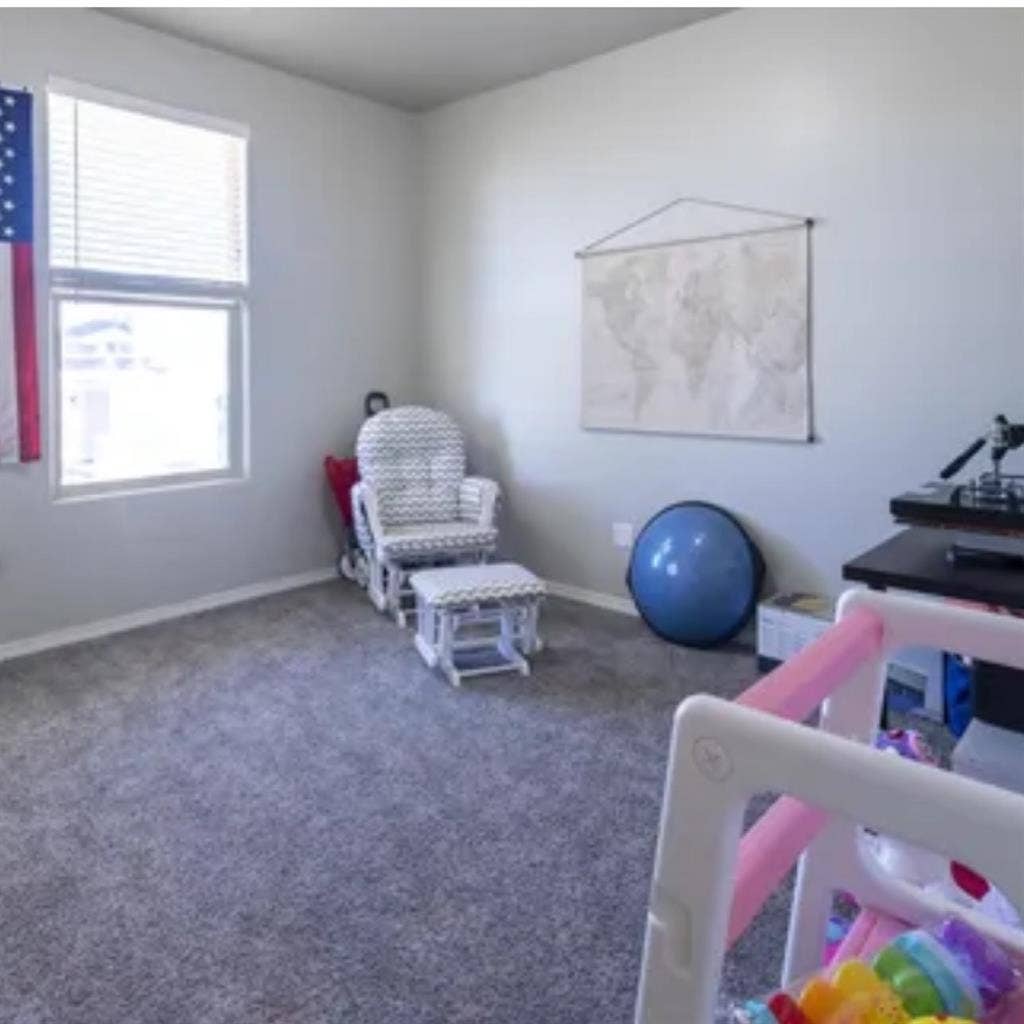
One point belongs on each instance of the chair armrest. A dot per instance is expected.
(478, 500)
(365, 517)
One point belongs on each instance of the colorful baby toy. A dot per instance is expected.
(907, 743)
(950, 974)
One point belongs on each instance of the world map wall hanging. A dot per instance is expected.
(695, 321)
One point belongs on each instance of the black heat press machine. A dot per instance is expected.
(986, 514)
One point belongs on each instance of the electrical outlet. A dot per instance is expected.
(622, 535)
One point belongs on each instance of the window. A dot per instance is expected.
(149, 276)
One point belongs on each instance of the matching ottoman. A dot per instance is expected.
(474, 620)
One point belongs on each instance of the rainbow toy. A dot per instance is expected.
(950, 973)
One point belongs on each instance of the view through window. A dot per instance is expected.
(149, 272)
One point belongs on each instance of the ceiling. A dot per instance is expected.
(414, 58)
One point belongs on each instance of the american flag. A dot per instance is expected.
(19, 372)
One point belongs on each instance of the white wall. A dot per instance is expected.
(334, 309)
(900, 130)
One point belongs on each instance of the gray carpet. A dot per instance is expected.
(275, 813)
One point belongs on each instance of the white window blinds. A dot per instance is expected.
(139, 194)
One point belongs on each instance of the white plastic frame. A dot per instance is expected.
(722, 754)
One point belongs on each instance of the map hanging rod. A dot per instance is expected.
(794, 221)
(647, 246)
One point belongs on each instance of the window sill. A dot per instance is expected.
(139, 488)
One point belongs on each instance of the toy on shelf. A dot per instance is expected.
(914, 953)
(898, 858)
(986, 964)
(951, 880)
(951, 971)
(968, 889)
(937, 874)
(908, 743)
(853, 993)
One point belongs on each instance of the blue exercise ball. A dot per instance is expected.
(695, 574)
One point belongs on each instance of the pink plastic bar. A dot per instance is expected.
(856, 939)
(871, 930)
(767, 851)
(773, 844)
(800, 685)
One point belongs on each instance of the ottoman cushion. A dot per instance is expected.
(466, 584)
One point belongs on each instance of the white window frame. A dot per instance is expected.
(147, 289)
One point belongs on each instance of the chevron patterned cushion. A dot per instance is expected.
(467, 584)
(415, 459)
(423, 539)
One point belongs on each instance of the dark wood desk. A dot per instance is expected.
(915, 559)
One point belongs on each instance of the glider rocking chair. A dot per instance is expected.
(414, 505)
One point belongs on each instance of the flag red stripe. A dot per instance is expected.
(25, 359)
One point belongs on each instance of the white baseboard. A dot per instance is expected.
(161, 613)
(610, 602)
